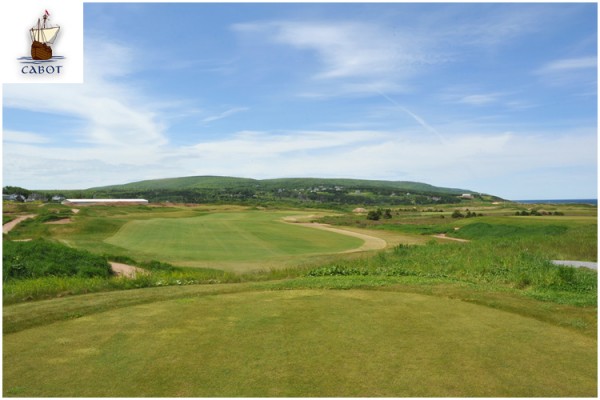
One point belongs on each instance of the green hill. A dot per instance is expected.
(305, 192)
(184, 183)
(226, 182)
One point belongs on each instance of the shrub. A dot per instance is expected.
(457, 214)
(40, 258)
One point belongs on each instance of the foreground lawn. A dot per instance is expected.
(296, 343)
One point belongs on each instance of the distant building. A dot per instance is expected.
(35, 197)
(13, 197)
(466, 196)
(95, 202)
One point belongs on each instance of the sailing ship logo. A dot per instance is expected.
(42, 36)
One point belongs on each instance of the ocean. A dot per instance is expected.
(561, 201)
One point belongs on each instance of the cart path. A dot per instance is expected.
(370, 242)
(10, 225)
(128, 271)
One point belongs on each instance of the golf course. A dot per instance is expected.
(241, 301)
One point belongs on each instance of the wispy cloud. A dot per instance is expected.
(579, 73)
(358, 57)
(23, 137)
(568, 65)
(225, 114)
(480, 99)
(111, 115)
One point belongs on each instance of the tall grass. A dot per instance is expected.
(501, 262)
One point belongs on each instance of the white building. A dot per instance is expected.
(90, 202)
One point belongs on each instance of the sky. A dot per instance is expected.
(495, 98)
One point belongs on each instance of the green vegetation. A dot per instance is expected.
(299, 343)
(305, 192)
(226, 238)
(278, 309)
(39, 258)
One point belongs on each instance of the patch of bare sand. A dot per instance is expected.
(125, 270)
(10, 225)
(443, 236)
(298, 218)
(59, 221)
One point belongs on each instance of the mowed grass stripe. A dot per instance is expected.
(301, 343)
(227, 237)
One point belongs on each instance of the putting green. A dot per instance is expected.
(300, 343)
(243, 237)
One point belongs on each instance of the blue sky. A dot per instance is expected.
(498, 98)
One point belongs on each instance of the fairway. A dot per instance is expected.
(243, 237)
(300, 343)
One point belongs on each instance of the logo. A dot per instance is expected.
(42, 61)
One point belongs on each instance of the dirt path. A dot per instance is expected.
(370, 242)
(10, 225)
(128, 271)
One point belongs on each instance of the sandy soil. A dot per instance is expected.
(577, 264)
(59, 222)
(128, 271)
(370, 242)
(443, 236)
(10, 225)
(75, 210)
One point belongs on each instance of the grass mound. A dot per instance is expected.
(480, 230)
(41, 258)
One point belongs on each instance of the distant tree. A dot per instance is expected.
(374, 215)
(387, 213)
(16, 190)
(457, 214)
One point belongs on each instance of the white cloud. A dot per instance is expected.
(354, 57)
(23, 137)
(480, 99)
(270, 145)
(225, 114)
(579, 73)
(116, 119)
(568, 65)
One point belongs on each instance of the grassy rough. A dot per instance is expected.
(39, 258)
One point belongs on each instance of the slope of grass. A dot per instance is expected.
(300, 343)
(39, 258)
(219, 182)
(226, 237)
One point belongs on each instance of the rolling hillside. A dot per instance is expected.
(220, 182)
(310, 192)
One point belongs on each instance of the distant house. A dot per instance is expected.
(35, 197)
(13, 197)
(466, 196)
(58, 198)
(96, 202)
